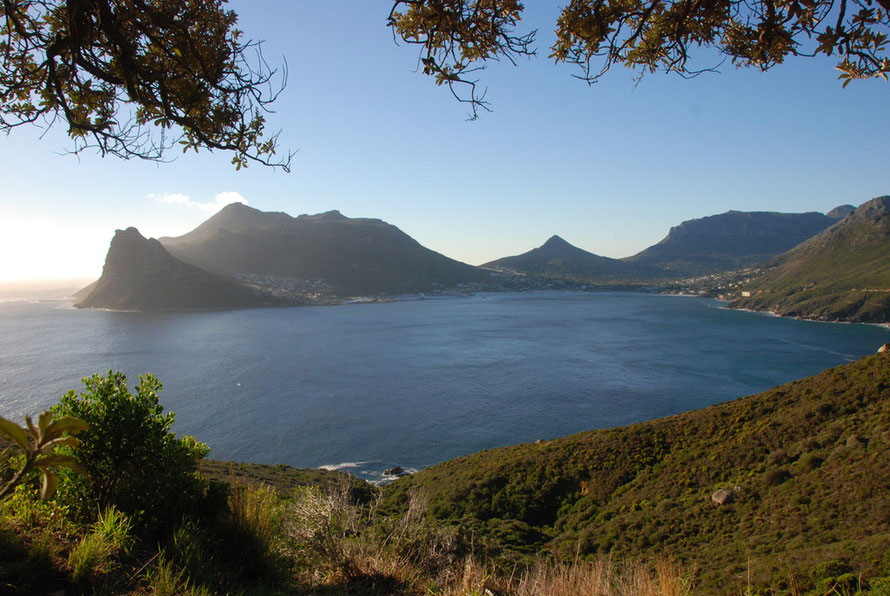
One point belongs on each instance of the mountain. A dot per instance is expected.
(140, 275)
(346, 255)
(780, 490)
(841, 274)
(731, 240)
(558, 258)
(841, 212)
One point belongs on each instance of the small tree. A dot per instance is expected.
(132, 459)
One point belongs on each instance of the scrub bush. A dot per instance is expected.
(133, 461)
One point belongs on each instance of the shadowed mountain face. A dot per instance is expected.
(140, 275)
(731, 240)
(558, 258)
(350, 255)
(841, 274)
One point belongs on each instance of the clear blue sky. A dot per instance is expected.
(610, 168)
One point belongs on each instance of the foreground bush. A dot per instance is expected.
(132, 460)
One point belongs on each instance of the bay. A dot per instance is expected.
(366, 387)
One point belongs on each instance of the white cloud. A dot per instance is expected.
(219, 201)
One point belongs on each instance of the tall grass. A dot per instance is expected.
(94, 553)
(166, 580)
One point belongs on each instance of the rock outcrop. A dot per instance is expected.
(139, 274)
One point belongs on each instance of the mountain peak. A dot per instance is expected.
(877, 207)
(555, 242)
(332, 215)
(237, 209)
(130, 232)
(841, 211)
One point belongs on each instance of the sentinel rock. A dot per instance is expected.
(139, 274)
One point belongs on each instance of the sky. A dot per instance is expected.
(609, 167)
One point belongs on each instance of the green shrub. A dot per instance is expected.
(811, 461)
(776, 477)
(830, 569)
(879, 586)
(845, 584)
(132, 460)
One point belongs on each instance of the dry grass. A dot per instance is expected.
(421, 559)
(583, 578)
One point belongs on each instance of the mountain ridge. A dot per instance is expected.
(350, 255)
(842, 273)
(731, 240)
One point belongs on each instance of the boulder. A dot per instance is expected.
(396, 471)
(723, 497)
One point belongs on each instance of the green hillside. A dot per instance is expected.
(841, 274)
(806, 464)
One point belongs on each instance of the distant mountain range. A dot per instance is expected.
(842, 273)
(836, 265)
(713, 244)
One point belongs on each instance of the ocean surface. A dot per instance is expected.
(365, 387)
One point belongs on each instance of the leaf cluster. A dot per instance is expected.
(459, 36)
(133, 78)
(37, 443)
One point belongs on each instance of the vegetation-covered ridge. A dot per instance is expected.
(803, 466)
(842, 274)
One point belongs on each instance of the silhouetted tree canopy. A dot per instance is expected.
(134, 78)
(458, 36)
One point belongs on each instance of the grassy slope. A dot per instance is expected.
(841, 274)
(811, 459)
(284, 479)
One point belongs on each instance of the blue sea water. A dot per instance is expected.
(365, 387)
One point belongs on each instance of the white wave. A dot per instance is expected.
(344, 465)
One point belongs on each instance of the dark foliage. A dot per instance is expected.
(134, 78)
(132, 459)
